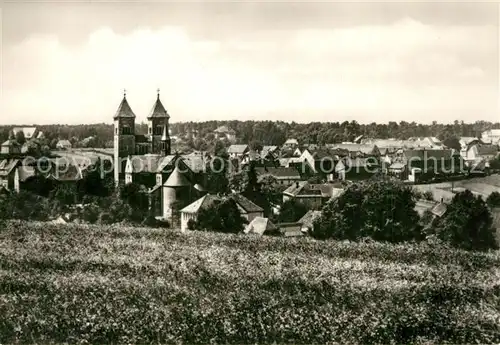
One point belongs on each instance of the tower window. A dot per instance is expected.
(116, 131)
(126, 130)
(158, 130)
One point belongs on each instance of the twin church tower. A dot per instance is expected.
(128, 143)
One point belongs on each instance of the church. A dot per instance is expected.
(172, 180)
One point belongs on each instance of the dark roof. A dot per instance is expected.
(279, 172)
(176, 179)
(158, 110)
(245, 203)
(202, 203)
(428, 154)
(486, 149)
(124, 110)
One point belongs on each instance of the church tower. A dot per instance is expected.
(124, 136)
(158, 128)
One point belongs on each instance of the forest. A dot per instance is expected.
(269, 132)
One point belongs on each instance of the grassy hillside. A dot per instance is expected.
(124, 285)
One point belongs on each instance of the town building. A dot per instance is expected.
(313, 196)
(284, 176)
(224, 132)
(260, 226)
(491, 136)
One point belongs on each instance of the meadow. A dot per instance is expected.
(95, 284)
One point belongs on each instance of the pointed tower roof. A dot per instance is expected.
(158, 110)
(124, 109)
(176, 179)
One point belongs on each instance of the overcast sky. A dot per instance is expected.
(291, 61)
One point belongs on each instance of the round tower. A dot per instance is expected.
(175, 190)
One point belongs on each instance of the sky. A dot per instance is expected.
(291, 61)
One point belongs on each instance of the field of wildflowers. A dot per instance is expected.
(81, 284)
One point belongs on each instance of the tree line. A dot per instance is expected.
(195, 134)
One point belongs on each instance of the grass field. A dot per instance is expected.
(79, 284)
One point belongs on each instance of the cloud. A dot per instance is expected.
(296, 75)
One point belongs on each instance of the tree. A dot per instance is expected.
(383, 210)
(135, 195)
(222, 216)
(468, 223)
(291, 211)
(493, 199)
(20, 137)
(256, 145)
(452, 143)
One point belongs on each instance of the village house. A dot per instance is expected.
(478, 151)
(223, 132)
(63, 145)
(358, 150)
(308, 219)
(314, 196)
(260, 226)
(290, 144)
(9, 174)
(424, 163)
(491, 136)
(356, 168)
(293, 229)
(10, 147)
(270, 150)
(238, 151)
(284, 176)
(247, 208)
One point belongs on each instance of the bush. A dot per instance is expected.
(468, 223)
(223, 216)
(383, 210)
(493, 199)
(90, 213)
(191, 224)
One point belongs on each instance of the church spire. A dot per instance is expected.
(158, 110)
(124, 109)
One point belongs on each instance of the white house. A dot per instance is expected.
(248, 209)
(237, 151)
(481, 152)
(491, 136)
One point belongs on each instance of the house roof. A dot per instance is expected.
(436, 208)
(306, 189)
(259, 225)
(363, 148)
(27, 131)
(7, 165)
(237, 149)
(176, 179)
(202, 203)
(291, 141)
(196, 163)
(428, 154)
(124, 110)
(63, 142)
(223, 129)
(247, 205)
(158, 110)
(308, 219)
(10, 143)
(484, 149)
(266, 149)
(397, 166)
(165, 161)
(280, 173)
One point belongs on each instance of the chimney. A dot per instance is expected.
(296, 185)
(442, 200)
